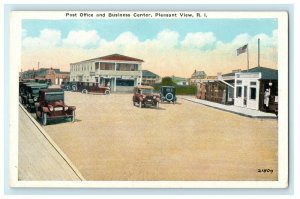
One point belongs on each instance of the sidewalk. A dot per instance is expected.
(231, 108)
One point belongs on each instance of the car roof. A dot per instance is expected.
(49, 90)
(144, 87)
(168, 87)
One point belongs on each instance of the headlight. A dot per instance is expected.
(66, 108)
(154, 97)
(51, 108)
(144, 96)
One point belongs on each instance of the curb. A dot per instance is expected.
(242, 114)
(55, 146)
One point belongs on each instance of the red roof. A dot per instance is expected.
(118, 57)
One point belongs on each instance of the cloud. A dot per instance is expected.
(164, 54)
(82, 39)
(48, 38)
(199, 40)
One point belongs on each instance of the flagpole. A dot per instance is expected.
(247, 58)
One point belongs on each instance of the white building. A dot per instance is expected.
(119, 72)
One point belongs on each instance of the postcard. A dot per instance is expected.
(149, 99)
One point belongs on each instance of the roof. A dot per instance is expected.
(147, 73)
(144, 87)
(116, 57)
(266, 73)
(198, 74)
(52, 90)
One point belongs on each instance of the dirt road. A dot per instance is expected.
(113, 140)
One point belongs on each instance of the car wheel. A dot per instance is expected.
(140, 104)
(44, 119)
(169, 97)
(73, 116)
(74, 88)
(107, 92)
(84, 91)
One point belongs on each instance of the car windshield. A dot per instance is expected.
(170, 90)
(147, 91)
(54, 96)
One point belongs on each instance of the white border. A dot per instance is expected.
(15, 54)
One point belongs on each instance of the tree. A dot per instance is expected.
(167, 81)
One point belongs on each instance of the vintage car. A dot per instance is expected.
(67, 86)
(25, 90)
(90, 87)
(32, 94)
(168, 94)
(145, 97)
(51, 105)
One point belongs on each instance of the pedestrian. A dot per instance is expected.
(267, 98)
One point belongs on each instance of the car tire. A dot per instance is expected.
(44, 119)
(107, 92)
(84, 91)
(74, 88)
(169, 97)
(140, 104)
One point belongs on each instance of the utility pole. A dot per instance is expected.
(258, 51)
(247, 57)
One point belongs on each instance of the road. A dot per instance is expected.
(113, 140)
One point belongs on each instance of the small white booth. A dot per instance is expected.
(246, 92)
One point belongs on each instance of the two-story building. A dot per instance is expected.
(197, 76)
(150, 78)
(119, 72)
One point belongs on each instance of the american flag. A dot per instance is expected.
(242, 49)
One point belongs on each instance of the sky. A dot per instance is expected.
(167, 46)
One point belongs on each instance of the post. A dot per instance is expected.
(247, 57)
(258, 51)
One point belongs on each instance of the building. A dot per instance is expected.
(53, 74)
(119, 72)
(197, 76)
(256, 88)
(150, 78)
(180, 81)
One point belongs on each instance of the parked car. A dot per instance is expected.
(144, 96)
(168, 94)
(25, 90)
(67, 86)
(90, 87)
(32, 94)
(51, 105)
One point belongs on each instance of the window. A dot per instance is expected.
(238, 82)
(238, 91)
(253, 93)
(97, 65)
(252, 83)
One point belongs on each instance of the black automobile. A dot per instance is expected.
(32, 95)
(168, 94)
(67, 86)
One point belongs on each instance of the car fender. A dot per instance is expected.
(71, 108)
(45, 109)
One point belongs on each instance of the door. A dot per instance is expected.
(245, 96)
